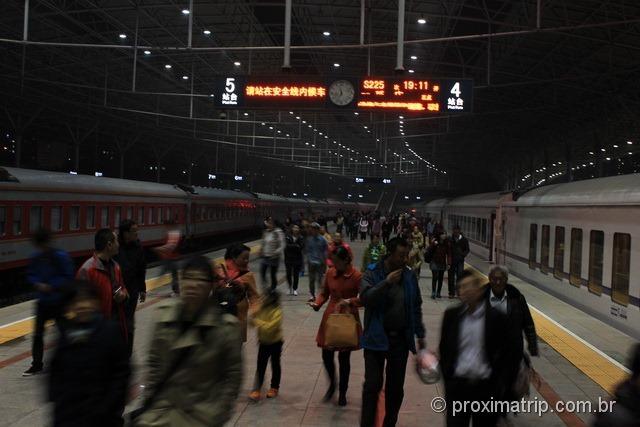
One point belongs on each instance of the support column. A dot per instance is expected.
(400, 45)
(287, 35)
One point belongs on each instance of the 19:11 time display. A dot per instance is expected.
(417, 85)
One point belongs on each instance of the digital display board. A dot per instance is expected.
(407, 95)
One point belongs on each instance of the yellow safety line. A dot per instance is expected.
(593, 364)
(25, 327)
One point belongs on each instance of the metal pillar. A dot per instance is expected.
(190, 38)
(135, 56)
(287, 35)
(362, 21)
(400, 45)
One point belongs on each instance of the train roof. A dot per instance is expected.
(36, 180)
(482, 200)
(436, 204)
(613, 190)
(217, 193)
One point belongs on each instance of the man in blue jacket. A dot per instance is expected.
(392, 321)
(49, 270)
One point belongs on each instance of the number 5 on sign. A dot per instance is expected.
(230, 85)
(455, 90)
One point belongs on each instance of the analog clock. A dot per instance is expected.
(341, 92)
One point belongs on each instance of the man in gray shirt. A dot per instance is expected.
(316, 249)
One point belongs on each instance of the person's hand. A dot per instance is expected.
(142, 297)
(344, 303)
(43, 287)
(313, 305)
(121, 295)
(395, 276)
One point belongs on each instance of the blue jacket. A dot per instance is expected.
(53, 267)
(373, 294)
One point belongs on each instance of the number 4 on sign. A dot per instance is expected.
(456, 90)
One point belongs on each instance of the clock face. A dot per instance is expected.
(341, 92)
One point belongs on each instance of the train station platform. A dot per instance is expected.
(580, 361)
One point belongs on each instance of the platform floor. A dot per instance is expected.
(303, 384)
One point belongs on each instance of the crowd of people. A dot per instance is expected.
(194, 366)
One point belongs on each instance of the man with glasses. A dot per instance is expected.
(104, 273)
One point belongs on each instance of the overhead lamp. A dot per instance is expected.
(336, 65)
(185, 11)
(246, 114)
(603, 150)
(263, 123)
(167, 66)
(237, 63)
(291, 112)
(411, 71)
(608, 158)
(206, 32)
(629, 142)
(271, 127)
(147, 52)
(122, 36)
(422, 21)
(356, 113)
(185, 77)
(591, 152)
(326, 33)
(414, 57)
(615, 146)
(297, 117)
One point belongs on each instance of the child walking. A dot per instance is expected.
(268, 322)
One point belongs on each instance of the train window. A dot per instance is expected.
(167, 214)
(104, 217)
(3, 220)
(533, 244)
(575, 257)
(74, 218)
(152, 215)
(596, 250)
(558, 253)
(35, 218)
(620, 268)
(160, 214)
(17, 221)
(117, 215)
(56, 218)
(544, 249)
(91, 217)
(141, 215)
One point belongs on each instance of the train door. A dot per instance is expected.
(492, 233)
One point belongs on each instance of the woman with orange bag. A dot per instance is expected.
(341, 289)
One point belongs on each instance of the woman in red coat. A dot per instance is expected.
(341, 289)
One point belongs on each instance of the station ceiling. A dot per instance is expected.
(554, 81)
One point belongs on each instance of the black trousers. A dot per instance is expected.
(385, 238)
(436, 281)
(460, 390)
(363, 235)
(44, 312)
(266, 352)
(374, 367)
(344, 360)
(270, 264)
(293, 275)
(454, 272)
(129, 314)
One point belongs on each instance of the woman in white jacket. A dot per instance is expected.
(271, 248)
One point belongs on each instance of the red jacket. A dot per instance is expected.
(338, 287)
(94, 272)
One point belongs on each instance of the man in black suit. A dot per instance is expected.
(475, 356)
(509, 301)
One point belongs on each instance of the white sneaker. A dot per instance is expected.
(295, 293)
